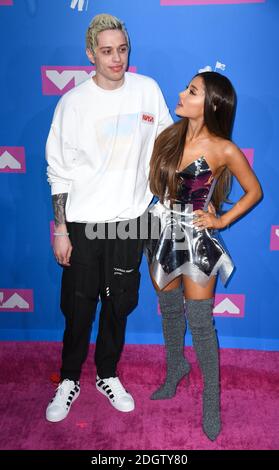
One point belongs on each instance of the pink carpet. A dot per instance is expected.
(250, 403)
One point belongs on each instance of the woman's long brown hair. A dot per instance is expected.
(219, 110)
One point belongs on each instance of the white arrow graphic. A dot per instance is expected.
(227, 306)
(14, 301)
(61, 79)
(7, 160)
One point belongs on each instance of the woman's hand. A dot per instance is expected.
(209, 220)
(211, 209)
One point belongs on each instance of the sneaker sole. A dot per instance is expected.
(114, 404)
(56, 419)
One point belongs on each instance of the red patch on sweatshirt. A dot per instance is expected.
(148, 118)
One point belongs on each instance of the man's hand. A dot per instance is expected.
(62, 247)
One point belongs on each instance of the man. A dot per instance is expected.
(98, 153)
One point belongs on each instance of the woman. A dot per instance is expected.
(190, 171)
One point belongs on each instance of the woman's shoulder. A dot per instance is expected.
(221, 151)
(229, 153)
(225, 147)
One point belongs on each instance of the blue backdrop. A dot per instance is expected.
(43, 55)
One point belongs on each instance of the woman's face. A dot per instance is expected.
(191, 100)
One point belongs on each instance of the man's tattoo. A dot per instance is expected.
(59, 203)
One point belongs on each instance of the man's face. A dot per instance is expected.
(111, 58)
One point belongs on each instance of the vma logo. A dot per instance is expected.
(6, 3)
(231, 305)
(16, 300)
(274, 237)
(206, 2)
(57, 80)
(12, 160)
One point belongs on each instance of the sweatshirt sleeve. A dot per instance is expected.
(165, 119)
(61, 148)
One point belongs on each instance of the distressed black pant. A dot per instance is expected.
(105, 270)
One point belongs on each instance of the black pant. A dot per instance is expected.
(106, 269)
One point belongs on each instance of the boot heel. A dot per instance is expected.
(168, 389)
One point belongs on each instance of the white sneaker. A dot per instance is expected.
(66, 393)
(113, 389)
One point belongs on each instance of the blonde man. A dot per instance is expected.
(98, 152)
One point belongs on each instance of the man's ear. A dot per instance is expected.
(90, 56)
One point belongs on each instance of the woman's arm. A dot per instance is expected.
(237, 163)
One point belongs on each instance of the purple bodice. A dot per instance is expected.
(196, 184)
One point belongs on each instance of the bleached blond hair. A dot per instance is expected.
(100, 23)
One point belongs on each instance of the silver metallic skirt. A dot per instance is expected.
(177, 247)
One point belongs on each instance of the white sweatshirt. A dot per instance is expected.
(99, 148)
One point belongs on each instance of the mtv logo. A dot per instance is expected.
(274, 237)
(6, 3)
(57, 80)
(16, 300)
(12, 160)
(206, 2)
(231, 305)
(249, 154)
